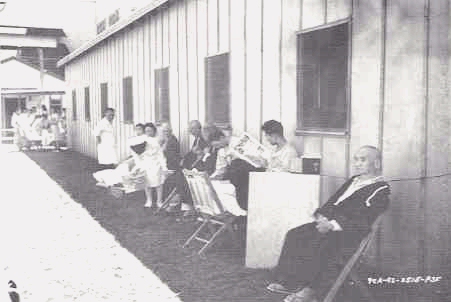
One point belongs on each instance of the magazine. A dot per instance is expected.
(249, 149)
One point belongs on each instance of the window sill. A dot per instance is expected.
(343, 133)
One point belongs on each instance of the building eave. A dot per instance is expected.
(122, 24)
(49, 73)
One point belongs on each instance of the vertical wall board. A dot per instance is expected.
(213, 29)
(165, 37)
(192, 59)
(122, 72)
(202, 53)
(253, 67)
(437, 210)
(271, 60)
(153, 64)
(146, 53)
(405, 111)
(224, 25)
(338, 9)
(175, 109)
(333, 165)
(139, 64)
(366, 77)
(183, 81)
(158, 39)
(238, 65)
(291, 16)
(313, 13)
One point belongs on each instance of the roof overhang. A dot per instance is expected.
(29, 92)
(112, 30)
(16, 41)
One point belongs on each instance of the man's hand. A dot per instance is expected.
(99, 140)
(262, 163)
(323, 225)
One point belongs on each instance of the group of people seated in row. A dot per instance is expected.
(312, 253)
(210, 152)
(38, 129)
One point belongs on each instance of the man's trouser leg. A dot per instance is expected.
(300, 259)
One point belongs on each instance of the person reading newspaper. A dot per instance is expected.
(254, 157)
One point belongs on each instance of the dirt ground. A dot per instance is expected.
(156, 240)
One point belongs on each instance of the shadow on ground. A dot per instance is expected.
(157, 240)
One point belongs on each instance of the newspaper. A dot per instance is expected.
(249, 149)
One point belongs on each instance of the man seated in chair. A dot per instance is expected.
(282, 154)
(310, 257)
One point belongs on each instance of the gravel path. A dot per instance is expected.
(55, 251)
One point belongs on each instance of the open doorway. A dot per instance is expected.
(11, 105)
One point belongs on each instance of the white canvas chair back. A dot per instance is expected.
(205, 198)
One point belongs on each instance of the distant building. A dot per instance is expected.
(21, 87)
(31, 78)
(28, 40)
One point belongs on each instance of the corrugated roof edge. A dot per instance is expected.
(110, 31)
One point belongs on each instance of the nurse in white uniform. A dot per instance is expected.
(106, 140)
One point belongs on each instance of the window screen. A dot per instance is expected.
(74, 105)
(323, 79)
(162, 111)
(103, 97)
(217, 94)
(128, 99)
(87, 105)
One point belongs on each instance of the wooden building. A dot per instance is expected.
(337, 73)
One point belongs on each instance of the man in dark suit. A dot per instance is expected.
(191, 160)
(195, 128)
(308, 264)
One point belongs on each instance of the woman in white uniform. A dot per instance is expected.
(106, 141)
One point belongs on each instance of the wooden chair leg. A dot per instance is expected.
(168, 199)
(195, 233)
(212, 239)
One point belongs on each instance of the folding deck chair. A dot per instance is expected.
(348, 272)
(210, 208)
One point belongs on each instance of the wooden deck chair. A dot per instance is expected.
(170, 196)
(348, 272)
(168, 200)
(209, 207)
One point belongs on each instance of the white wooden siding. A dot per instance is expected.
(400, 99)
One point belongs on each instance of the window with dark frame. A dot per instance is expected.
(74, 105)
(162, 102)
(322, 79)
(217, 93)
(103, 98)
(87, 105)
(127, 85)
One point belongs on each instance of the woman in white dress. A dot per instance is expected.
(106, 141)
(154, 163)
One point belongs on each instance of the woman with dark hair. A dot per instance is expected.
(150, 129)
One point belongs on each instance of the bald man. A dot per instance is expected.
(308, 263)
(195, 129)
(170, 146)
